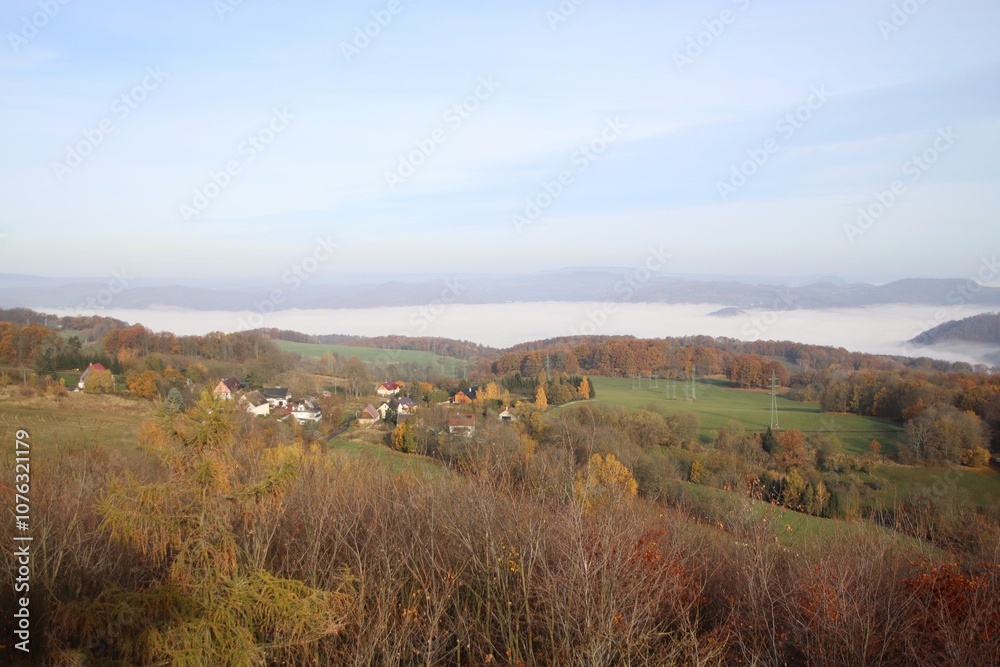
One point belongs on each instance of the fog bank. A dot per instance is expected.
(877, 330)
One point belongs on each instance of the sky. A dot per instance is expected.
(228, 140)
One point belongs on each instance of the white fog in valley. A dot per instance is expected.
(877, 330)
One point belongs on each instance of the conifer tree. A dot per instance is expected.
(209, 606)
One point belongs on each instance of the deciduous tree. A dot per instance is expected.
(606, 480)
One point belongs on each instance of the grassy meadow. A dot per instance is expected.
(75, 420)
(717, 403)
(439, 364)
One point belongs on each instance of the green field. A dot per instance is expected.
(70, 378)
(443, 365)
(979, 487)
(396, 462)
(717, 403)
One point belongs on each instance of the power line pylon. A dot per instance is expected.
(774, 402)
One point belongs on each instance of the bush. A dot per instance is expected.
(977, 457)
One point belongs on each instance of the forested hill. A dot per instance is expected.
(447, 347)
(983, 328)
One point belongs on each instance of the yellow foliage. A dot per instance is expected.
(541, 401)
(211, 606)
(606, 480)
(491, 392)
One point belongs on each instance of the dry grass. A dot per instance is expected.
(74, 420)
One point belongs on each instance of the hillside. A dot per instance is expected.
(983, 328)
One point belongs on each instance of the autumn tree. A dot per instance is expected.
(207, 605)
(403, 439)
(606, 480)
(99, 382)
(541, 402)
(142, 384)
(584, 389)
(977, 457)
(790, 450)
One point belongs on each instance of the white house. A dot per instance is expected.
(388, 389)
(256, 404)
(307, 411)
(227, 388)
(462, 423)
(368, 416)
(278, 397)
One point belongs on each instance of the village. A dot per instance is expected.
(397, 408)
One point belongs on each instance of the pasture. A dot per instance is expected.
(378, 455)
(717, 403)
(75, 420)
(438, 364)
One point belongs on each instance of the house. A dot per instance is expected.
(256, 404)
(307, 411)
(467, 395)
(368, 416)
(383, 410)
(278, 397)
(507, 416)
(402, 418)
(461, 423)
(388, 389)
(227, 388)
(83, 377)
(406, 406)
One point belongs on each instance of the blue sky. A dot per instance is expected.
(644, 126)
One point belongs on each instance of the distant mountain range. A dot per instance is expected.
(617, 285)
